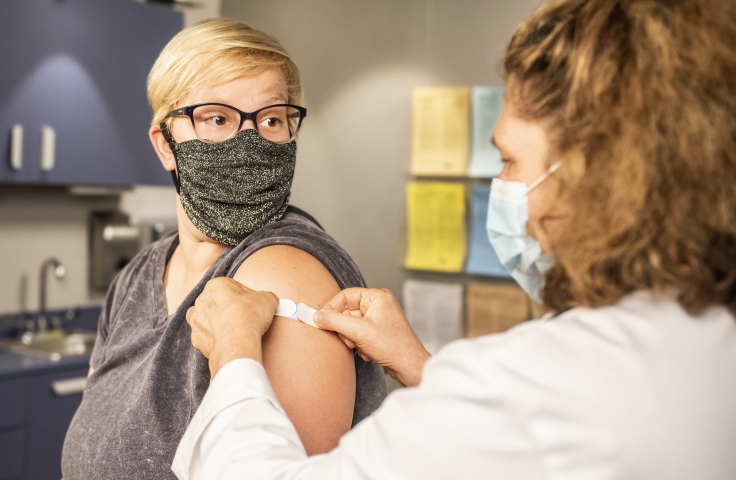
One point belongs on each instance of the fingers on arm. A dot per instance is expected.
(351, 299)
(311, 371)
(351, 302)
(348, 343)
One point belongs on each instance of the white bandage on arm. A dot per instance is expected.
(303, 313)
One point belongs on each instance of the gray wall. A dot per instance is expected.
(41, 222)
(359, 62)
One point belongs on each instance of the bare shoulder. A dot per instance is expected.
(311, 370)
(290, 273)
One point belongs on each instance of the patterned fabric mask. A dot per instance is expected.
(232, 188)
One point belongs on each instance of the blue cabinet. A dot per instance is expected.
(34, 418)
(17, 60)
(50, 412)
(13, 438)
(79, 69)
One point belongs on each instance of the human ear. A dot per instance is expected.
(162, 148)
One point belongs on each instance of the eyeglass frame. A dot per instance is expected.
(252, 116)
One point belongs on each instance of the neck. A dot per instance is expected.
(197, 252)
(192, 258)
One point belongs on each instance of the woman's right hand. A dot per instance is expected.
(371, 321)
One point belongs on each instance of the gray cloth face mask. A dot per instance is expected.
(232, 188)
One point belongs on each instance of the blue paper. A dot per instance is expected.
(485, 160)
(482, 259)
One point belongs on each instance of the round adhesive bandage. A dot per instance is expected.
(302, 312)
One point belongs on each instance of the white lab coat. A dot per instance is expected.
(639, 390)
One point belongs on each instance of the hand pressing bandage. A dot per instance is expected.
(301, 312)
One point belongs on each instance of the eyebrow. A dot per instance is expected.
(218, 100)
(276, 98)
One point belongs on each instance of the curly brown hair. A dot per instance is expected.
(642, 98)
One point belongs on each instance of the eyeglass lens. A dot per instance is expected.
(217, 123)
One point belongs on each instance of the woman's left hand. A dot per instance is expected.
(228, 321)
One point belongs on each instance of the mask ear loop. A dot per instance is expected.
(544, 176)
(170, 140)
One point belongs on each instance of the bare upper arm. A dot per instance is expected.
(312, 371)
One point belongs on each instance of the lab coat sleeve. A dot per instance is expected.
(239, 431)
(458, 424)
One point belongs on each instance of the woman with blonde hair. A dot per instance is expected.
(226, 113)
(617, 205)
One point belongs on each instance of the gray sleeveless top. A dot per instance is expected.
(149, 380)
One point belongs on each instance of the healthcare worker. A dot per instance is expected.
(617, 205)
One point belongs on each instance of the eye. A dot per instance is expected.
(271, 122)
(217, 120)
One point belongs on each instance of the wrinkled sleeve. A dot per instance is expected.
(117, 296)
(457, 424)
(104, 325)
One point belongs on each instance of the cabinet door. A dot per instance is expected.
(94, 59)
(12, 454)
(49, 417)
(80, 67)
(13, 395)
(13, 419)
(17, 62)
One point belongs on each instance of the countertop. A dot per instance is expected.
(13, 365)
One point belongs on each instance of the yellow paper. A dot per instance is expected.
(494, 308)
(436, 221)
(440, 131)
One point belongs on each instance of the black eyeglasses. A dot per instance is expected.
(217, 122)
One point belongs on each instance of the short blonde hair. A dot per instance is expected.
(211, 52)
(641, 95)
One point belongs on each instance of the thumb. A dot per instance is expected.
(346, 325)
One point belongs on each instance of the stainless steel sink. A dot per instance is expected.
(53, 347)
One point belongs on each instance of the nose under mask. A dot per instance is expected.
(520, 254)
(232, 188)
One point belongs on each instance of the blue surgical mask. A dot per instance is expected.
(520, 254)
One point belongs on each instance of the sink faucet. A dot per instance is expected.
(59, 273)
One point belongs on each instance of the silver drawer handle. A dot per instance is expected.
(71, 386)
(48, 148)
(16, 147)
